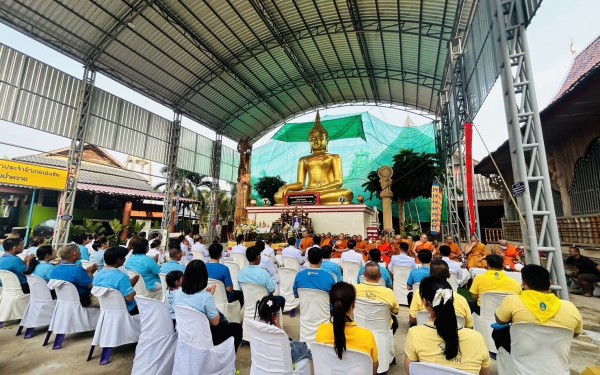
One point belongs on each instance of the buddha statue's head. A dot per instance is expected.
(318, 136)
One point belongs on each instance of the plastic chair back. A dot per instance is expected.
(291, 262)
(86, 264)
(453, 281)
(69, 316)
(363, 280)
(269, 349)
(422, 368)
(115, 326)
(477, 271)
(41, 305)
(230, 310)
(515, 275)
(482, 323)
(234, 270)
(13, 302)
(279, 260)
(375, 316)
(163, 286)
(252, 294)
(239, 259)
(350, 272)
(314, 311)
(400, 290)
(326, 361)
(140, 286)
(538, 349)
(287, 276)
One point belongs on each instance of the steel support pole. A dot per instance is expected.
(451, 194)
(78, 135)
(214, 189)
(174, 135)
(528, 153)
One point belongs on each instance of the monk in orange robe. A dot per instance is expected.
(307, 242)
(476, 253)
(327, 241)
(386, 249)
(339, 246)
(362, 247)
(456, 254)
(423, 244)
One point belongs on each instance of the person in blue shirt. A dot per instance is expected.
(111, 277)
(328, 265)
(81, 278)
(314, 277)
(418, 274)
(175, 255)
(41, 266)
(99, 247)
(173, 280)
(375, 256)
(253, 273)
(147, 268)
(195, 295)
(82, 241)
(11, 262)
(218, 271)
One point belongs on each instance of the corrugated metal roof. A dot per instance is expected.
(112, 190)
(582, 64)
(96, 174)
(241, 67)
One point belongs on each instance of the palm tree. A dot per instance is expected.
(414, 173)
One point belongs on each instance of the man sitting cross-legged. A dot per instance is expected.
(536, 305)
(371, 290)
(111, 277)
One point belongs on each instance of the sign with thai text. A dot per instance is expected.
(436, 209)
(518, 189)
(302, 199)
(32, 175)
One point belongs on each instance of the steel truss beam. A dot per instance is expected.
(282, 42)
(174, 135)
(528, 152)
(451, 193)
(215, 173)
(78, 135)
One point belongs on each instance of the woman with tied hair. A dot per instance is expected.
(441, 341)
(342, 332)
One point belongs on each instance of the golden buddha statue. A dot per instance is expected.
(324, 171)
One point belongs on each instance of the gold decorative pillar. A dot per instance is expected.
(244, 187)
(385, 180)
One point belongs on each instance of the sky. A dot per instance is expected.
(557, 24)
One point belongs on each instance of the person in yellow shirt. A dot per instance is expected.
(494, 280)
(441, 341)
(439, 268)
(342, 332)
(536, 305)
(371, 290)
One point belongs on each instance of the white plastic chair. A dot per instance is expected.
(537, 349)
(69, 316)
(375, 316)
(195, 353)
(400, 276)
(279, 260)
(516, 276)
(314, 311)
(287, 276)
(115, 326)
(270, 351)
(231, 310)
(234, 270)
(40, 308)
(363, 280)
(140, 287)
(423, 318)
(477, 271)
(453, 281)
(505, 363)
(326, 361)
(13, 302)
(421, 368)
(252, 294)
(239, 259)
(482, 323)
(163, 286)
(198, 255)
(86, 264)
(291, 262)
(350, 272)
(155, 351)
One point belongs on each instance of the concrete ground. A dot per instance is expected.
(19, 356)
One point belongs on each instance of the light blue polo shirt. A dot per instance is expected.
(385, 275)
(14, 264)
(172, 265)
(114, 279)
(202, 301)
(85, 253)
(313, 278)
(417, 275)
(256, 275)
(44, 270)
(147, 268)
(333, 268)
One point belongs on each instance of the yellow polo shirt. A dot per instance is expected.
(376, 292)
(512, 309)
(494, 281)
(424, 345)
(461, 308)
(357, 338)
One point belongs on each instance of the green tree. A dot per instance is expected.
(414, 173)
(266, 187)
(187, 184)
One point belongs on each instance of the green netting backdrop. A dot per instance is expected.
(364, 142)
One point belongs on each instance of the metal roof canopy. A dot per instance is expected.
(242, 67)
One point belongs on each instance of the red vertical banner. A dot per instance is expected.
(469, 173)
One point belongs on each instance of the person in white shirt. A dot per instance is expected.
(239, 248)
(267, 259)
(292, 252)
(462, 275)
(188, 237)
(402, 259)
(351, 255)
(155, 250)
(185, 247)
(199, 246)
